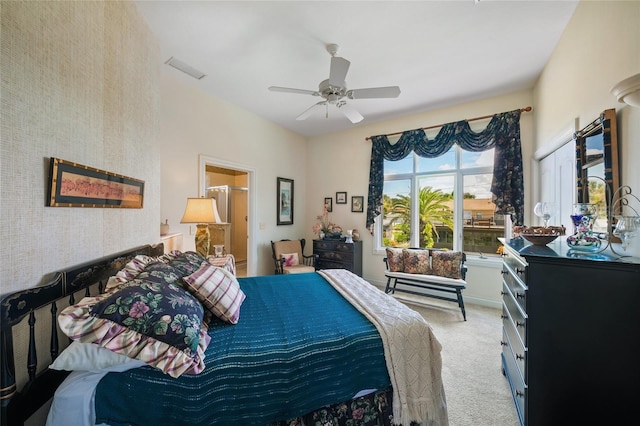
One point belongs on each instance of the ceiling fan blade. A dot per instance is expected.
(291, 90)
(338, 71)
(350, 112)
(311, 110)
(374, 92)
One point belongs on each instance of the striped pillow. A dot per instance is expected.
(218, 290)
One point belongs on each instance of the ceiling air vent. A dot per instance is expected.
(187, 69)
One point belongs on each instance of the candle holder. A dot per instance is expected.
(627, 219)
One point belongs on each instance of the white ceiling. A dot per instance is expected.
(440, 53)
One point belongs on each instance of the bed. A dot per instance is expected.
(305, 348)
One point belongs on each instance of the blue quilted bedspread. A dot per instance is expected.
(298, 346)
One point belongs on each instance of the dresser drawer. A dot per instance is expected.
(336, 245)
(517, 266)
(515, 287)
(515, 342)
(328, 264)
(335, 255)
(516, 314)
(516, 380)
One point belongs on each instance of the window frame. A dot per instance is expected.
(459, 175)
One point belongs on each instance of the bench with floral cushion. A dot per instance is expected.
(412, 270)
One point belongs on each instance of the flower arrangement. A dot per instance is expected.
(324, 226)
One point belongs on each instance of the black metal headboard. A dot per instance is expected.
(18, 405)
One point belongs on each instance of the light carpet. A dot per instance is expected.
(476, 390)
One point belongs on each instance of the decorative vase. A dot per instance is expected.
(164, 227)
(583, 238)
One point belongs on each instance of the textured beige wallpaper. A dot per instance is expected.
(79, 81)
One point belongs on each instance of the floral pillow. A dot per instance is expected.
(290, 259)
(394, 260)
(130, 271)
(447, 264)
(218, 290)
(158, 323)
(187, 263)
(416, 261)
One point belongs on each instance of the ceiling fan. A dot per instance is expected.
(334, 90)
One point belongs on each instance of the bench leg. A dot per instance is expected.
(461, 304)
(388, 289)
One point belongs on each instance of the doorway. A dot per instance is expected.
(230, 184)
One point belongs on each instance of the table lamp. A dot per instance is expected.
(202, 212)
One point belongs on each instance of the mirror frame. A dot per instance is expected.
(605, 125)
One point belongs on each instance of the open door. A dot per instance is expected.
(231, 185)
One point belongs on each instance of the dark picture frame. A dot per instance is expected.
(284, 202)
(328, 201)
(75, 185)
(341, 198)
(357, 204)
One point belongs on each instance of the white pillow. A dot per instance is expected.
(90, 357)
(290, 259)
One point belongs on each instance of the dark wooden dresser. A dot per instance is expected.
(336, 254)
(571, 334)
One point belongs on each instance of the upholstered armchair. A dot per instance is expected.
(289, 257)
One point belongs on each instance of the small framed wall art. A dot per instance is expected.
(285, 201)
(328, 201)
(74, 185)
(357, 204)
(341, 198)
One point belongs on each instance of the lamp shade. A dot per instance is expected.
(201, 210)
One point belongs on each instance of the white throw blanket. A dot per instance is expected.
(411, 350)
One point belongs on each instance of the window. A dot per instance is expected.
(442, 202)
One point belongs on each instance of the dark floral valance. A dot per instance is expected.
(502, 133)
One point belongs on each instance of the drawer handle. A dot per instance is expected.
(520, 295)
(519, 324)
(503, 272)
(520, 271)
(519, 394)
(504, 316)
(503, 343)
(518, 356)
(503, 293)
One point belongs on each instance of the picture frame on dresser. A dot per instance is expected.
(284, 202)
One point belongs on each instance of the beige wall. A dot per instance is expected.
(194, 124)
(79, 82)
(600, 47)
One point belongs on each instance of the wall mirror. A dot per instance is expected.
(597, 166)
